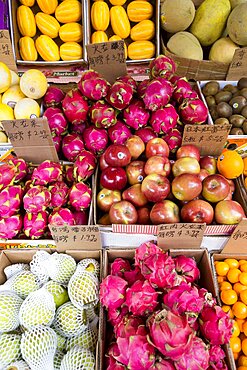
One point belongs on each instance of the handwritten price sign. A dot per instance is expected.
(6, 51)
(237, 242)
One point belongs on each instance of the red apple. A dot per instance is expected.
(232, 185)
(164, 212)
(117, 155)
(157, 164)
(197, 211)
(113, 178)
(155, 187)
(185, 165)
(102, 162)
(146, 134)
(186, 186)
(209, 163)
(135, 172)
(157, 146)
(106, 197)
(123, 212)
(143, 216)
(135, 145)
(228, 212)
(134, 195)
(188, 150)
(215, 188)
(203, 174)
(229, 196)
(104, 220)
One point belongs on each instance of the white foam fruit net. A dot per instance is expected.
(78, 359)
(38, 347)
(91, 313)
(61, 267)
(90, 265)
(58, 359)
(87, 339)
(40, 264)
(15, 268)
(18, 365)
(83, 289)
(22, 283)
(59, 293)
(38, 309)
(61, 341)
(69, 320)
(10, 304)
(9, 349)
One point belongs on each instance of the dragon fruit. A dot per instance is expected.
(72, 146)
(193, 111)
(215, 325)
(112, 292)
(119, 133)
(173, 139)
(146, 250)
(157, 94)
(208, 299)
(57, 121)
(75, 106)
(216, 358)
(21, 168)
(136, 116)
(96, 139)
(59, 194)
(112, 364)
(146, 133)
(130, 325)
(102, 115)
(170, 334)
(36, 199)
(78, 128)
(7, 175)
(197, 358)
(129, 80)
(88, 74)
(115, 315)
(162, 66)
(10, 227)
(94, 88)
(84, 166)
(35, 224)
(53, 96)
(183, 90)
(80, 196)
(119, 266)
(133, 275)
(164, 119)
(162, 364)
(81, 217)
(57, 141)
(46, 173)
(60, 217)
(120, 95)
(10, 200)
(187, 268)
(141, 298)
(68, 174)
(141, 88)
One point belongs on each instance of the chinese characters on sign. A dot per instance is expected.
(6, 52)
(238, 66)
(237, 242)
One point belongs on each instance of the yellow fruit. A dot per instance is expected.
(47, 48)
(100, 16)
(176, 15)
(228, 297)
(27, 49)
(233, 275)
(15, 79)
(119, 21)
(235, 344)
(27, 2)
(71, 51)
(141, 50)
(5, 80)
(0, 98)
(71, 32)
(69, 11)
(232, 262)
(33, 84)
(144, 30)
(138, 10)
(236, 330)
(6, 112)
(185, 45)
(230, 164)
(242, 361)
(26, 21)
(12, 96)
(117, 2)
(99, 36)
(3, 137)
(236, 24)
(223, 50)
(47, 24)
(27, 108)
(117, 38)
(48, 6)
(222, 268)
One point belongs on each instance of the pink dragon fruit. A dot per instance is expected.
(102, 115)
(164, 119)
(141, 88)
(215, 325)
(129, 80)
(35, 224)
(130, 325)
(115, 315)
(94, 88)
(197, 358)
(162, 364)
(60, 217)
(208, 299)
(84, 166)
(193, 111)
(36, 199)
(141, 298)
(7, 175)
(120, 95)
(81, 217)
(112, 292)
(10, 227)
(133, 275)
(47, 172)
(146, 133)
(57, 121)
(136, 116)
(173, 139)
(183, 90)
(68, 174)
(53, 96)
(75, 106)
(157, 94)
(96, 139)
(119, 266)
(88, 74)
(59, 194)
(173, 79)
(216, 358)
(112, 364)
(21, 168)
(78, 128)
(145, 250)
(170, 334)
(119, 133)
(57, 141)
(187, 268)
(72, 146)
(80, 196)
(162, 66)
(10, 200)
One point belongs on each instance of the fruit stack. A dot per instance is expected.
(48, 311)
(159, 317)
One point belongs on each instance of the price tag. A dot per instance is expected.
(76, 237)
(237, 242)
(238, 66)
(31, 139)
(108, 58)
(6, 51)
(210, 139)
(180, 235)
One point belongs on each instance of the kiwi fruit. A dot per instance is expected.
(244, 127)
(211, 88)
(242, 83)
(214, 113)
(221, 121)
(243, 92)
(238, 103)
(237, 120)
(223, 96)
(231, 88)
(224, 109)
(210, 100)
(244, 111)
(236, 131)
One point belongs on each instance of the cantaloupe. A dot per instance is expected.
(176, 15)
(235, 3)
(223, 50)
(185, 45)
(237, 24)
